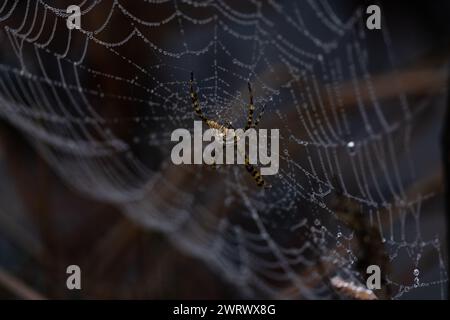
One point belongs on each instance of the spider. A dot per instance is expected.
(223, 130)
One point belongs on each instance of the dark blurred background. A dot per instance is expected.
(46, 226)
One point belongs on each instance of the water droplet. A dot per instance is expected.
(317, 222)
(351, 146)
(339, 234)
(416, 272)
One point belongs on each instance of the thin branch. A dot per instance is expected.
(17, 287)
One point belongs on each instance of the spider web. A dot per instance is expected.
(100, 104)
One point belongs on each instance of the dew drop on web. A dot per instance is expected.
(351, 147)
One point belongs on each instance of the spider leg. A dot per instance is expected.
(229, 125)
(256, 175)
(255, 124)
(254, 171)
(251, 108)
(195, 102)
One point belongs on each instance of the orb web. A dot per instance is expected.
(100, 104)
